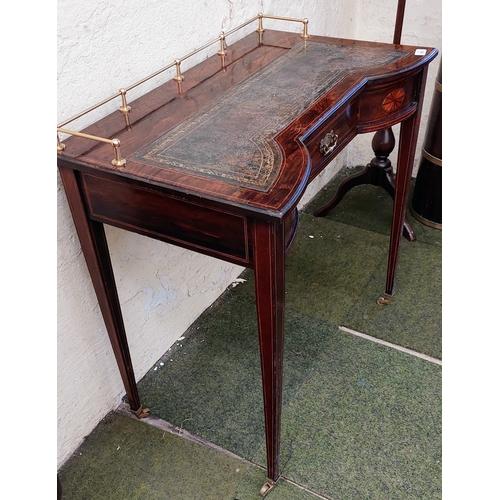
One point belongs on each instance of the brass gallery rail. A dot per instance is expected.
(125, 108)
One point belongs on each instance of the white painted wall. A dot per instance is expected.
(103, 46)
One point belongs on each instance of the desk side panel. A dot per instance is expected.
(167, 217)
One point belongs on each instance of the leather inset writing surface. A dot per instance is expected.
(232, 139)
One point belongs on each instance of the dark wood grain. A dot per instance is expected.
(171, 218)
(95, 250)
(406, 153)
(398, 28)
(270, 297)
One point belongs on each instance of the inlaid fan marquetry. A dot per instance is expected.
(393, 100)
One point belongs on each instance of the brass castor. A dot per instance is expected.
(386, 299)
(268, 486)
(142, 412)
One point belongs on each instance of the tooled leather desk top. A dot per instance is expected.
(232, 139)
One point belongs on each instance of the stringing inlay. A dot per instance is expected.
(232, 138)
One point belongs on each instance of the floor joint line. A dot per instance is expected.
(161, 424)
(393, 346)
(283, 478)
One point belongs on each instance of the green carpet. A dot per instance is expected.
(413, 319)
(368, 207)
(361, 420)
(365, 424)
(125, 459)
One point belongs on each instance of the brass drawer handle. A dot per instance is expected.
(328, 143)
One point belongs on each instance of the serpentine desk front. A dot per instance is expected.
(217, 159)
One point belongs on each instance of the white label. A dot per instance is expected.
(420, 52)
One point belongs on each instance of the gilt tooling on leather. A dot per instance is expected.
(211, 145)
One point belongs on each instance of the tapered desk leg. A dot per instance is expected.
(406, 154)
(95, 250)
(269, 266)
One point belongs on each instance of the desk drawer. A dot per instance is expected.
(331, 137)
(386, 105)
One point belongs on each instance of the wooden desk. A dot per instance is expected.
(220, 167)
